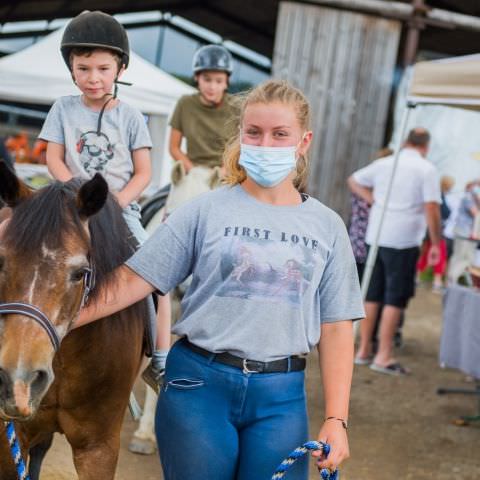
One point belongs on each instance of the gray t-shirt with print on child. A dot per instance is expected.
(264, 277)
(72, 124)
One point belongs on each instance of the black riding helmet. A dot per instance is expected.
(96, 30)
(212, 57)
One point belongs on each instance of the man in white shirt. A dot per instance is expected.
(413, 206)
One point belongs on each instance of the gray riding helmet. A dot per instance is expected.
(212, 57)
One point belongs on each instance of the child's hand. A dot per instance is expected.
(121, 201)
(188, 165)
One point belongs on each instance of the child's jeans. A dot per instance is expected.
(135, 225)
(214, 422)
(136, 229)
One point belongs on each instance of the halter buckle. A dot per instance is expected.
(88, 284)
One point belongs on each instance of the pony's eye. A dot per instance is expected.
(2, 263)
(78, 275)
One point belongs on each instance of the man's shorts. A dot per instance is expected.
(393, 277)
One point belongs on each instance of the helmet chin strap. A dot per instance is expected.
(102, 111)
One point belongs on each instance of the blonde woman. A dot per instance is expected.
(233, 400)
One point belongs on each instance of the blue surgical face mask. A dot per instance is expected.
(267, 166)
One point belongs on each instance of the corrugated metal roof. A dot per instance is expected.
(248, 22)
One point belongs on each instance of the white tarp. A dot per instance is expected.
(450, 81)
(39, 75)
(455, 145)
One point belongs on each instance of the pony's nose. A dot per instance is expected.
(40, 380)
(5, 383)
(20, 392)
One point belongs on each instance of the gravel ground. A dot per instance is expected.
(399, 428)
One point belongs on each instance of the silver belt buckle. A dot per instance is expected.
(246, 369)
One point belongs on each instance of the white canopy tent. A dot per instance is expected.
(39, 75)
(451, 82)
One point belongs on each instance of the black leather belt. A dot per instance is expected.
(291, 364)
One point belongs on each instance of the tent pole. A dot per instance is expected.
(372, 253)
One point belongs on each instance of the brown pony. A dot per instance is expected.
(47, 247)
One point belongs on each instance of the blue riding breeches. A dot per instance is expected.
(214, 422)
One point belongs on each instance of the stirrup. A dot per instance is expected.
(152, 378)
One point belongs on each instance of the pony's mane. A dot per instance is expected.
(50, 215)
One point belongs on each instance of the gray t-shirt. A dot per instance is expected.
(264, 277)
(72, 124)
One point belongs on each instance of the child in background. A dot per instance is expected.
(446, 184)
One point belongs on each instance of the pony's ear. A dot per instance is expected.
(92, 196)
(12, 190)
(178, 172)
(215, 178)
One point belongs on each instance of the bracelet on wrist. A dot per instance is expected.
(341, 420)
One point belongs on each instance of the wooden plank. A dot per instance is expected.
(349, 108)
(344, 62)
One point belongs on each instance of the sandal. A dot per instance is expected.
(363, 361)
(395, 369)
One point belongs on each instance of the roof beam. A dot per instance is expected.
(222, 13)
(165, 22)
(404, 12)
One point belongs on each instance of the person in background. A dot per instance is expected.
(446, 184)
(5, 155)
(357, 227)
(414, 204)
(464, 243)
(202, 118)
(453, 200)
(39, 152)
(19, 147)
(357, 231)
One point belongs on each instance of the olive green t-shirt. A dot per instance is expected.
(205, 128)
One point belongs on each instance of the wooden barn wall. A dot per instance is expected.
(345, 63)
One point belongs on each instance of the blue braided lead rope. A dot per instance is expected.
(16, 452)
(299, 452)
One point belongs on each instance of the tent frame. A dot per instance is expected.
(411, 103)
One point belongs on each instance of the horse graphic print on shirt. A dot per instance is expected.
(261, 264)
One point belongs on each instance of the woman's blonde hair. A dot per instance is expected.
(268, 92)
